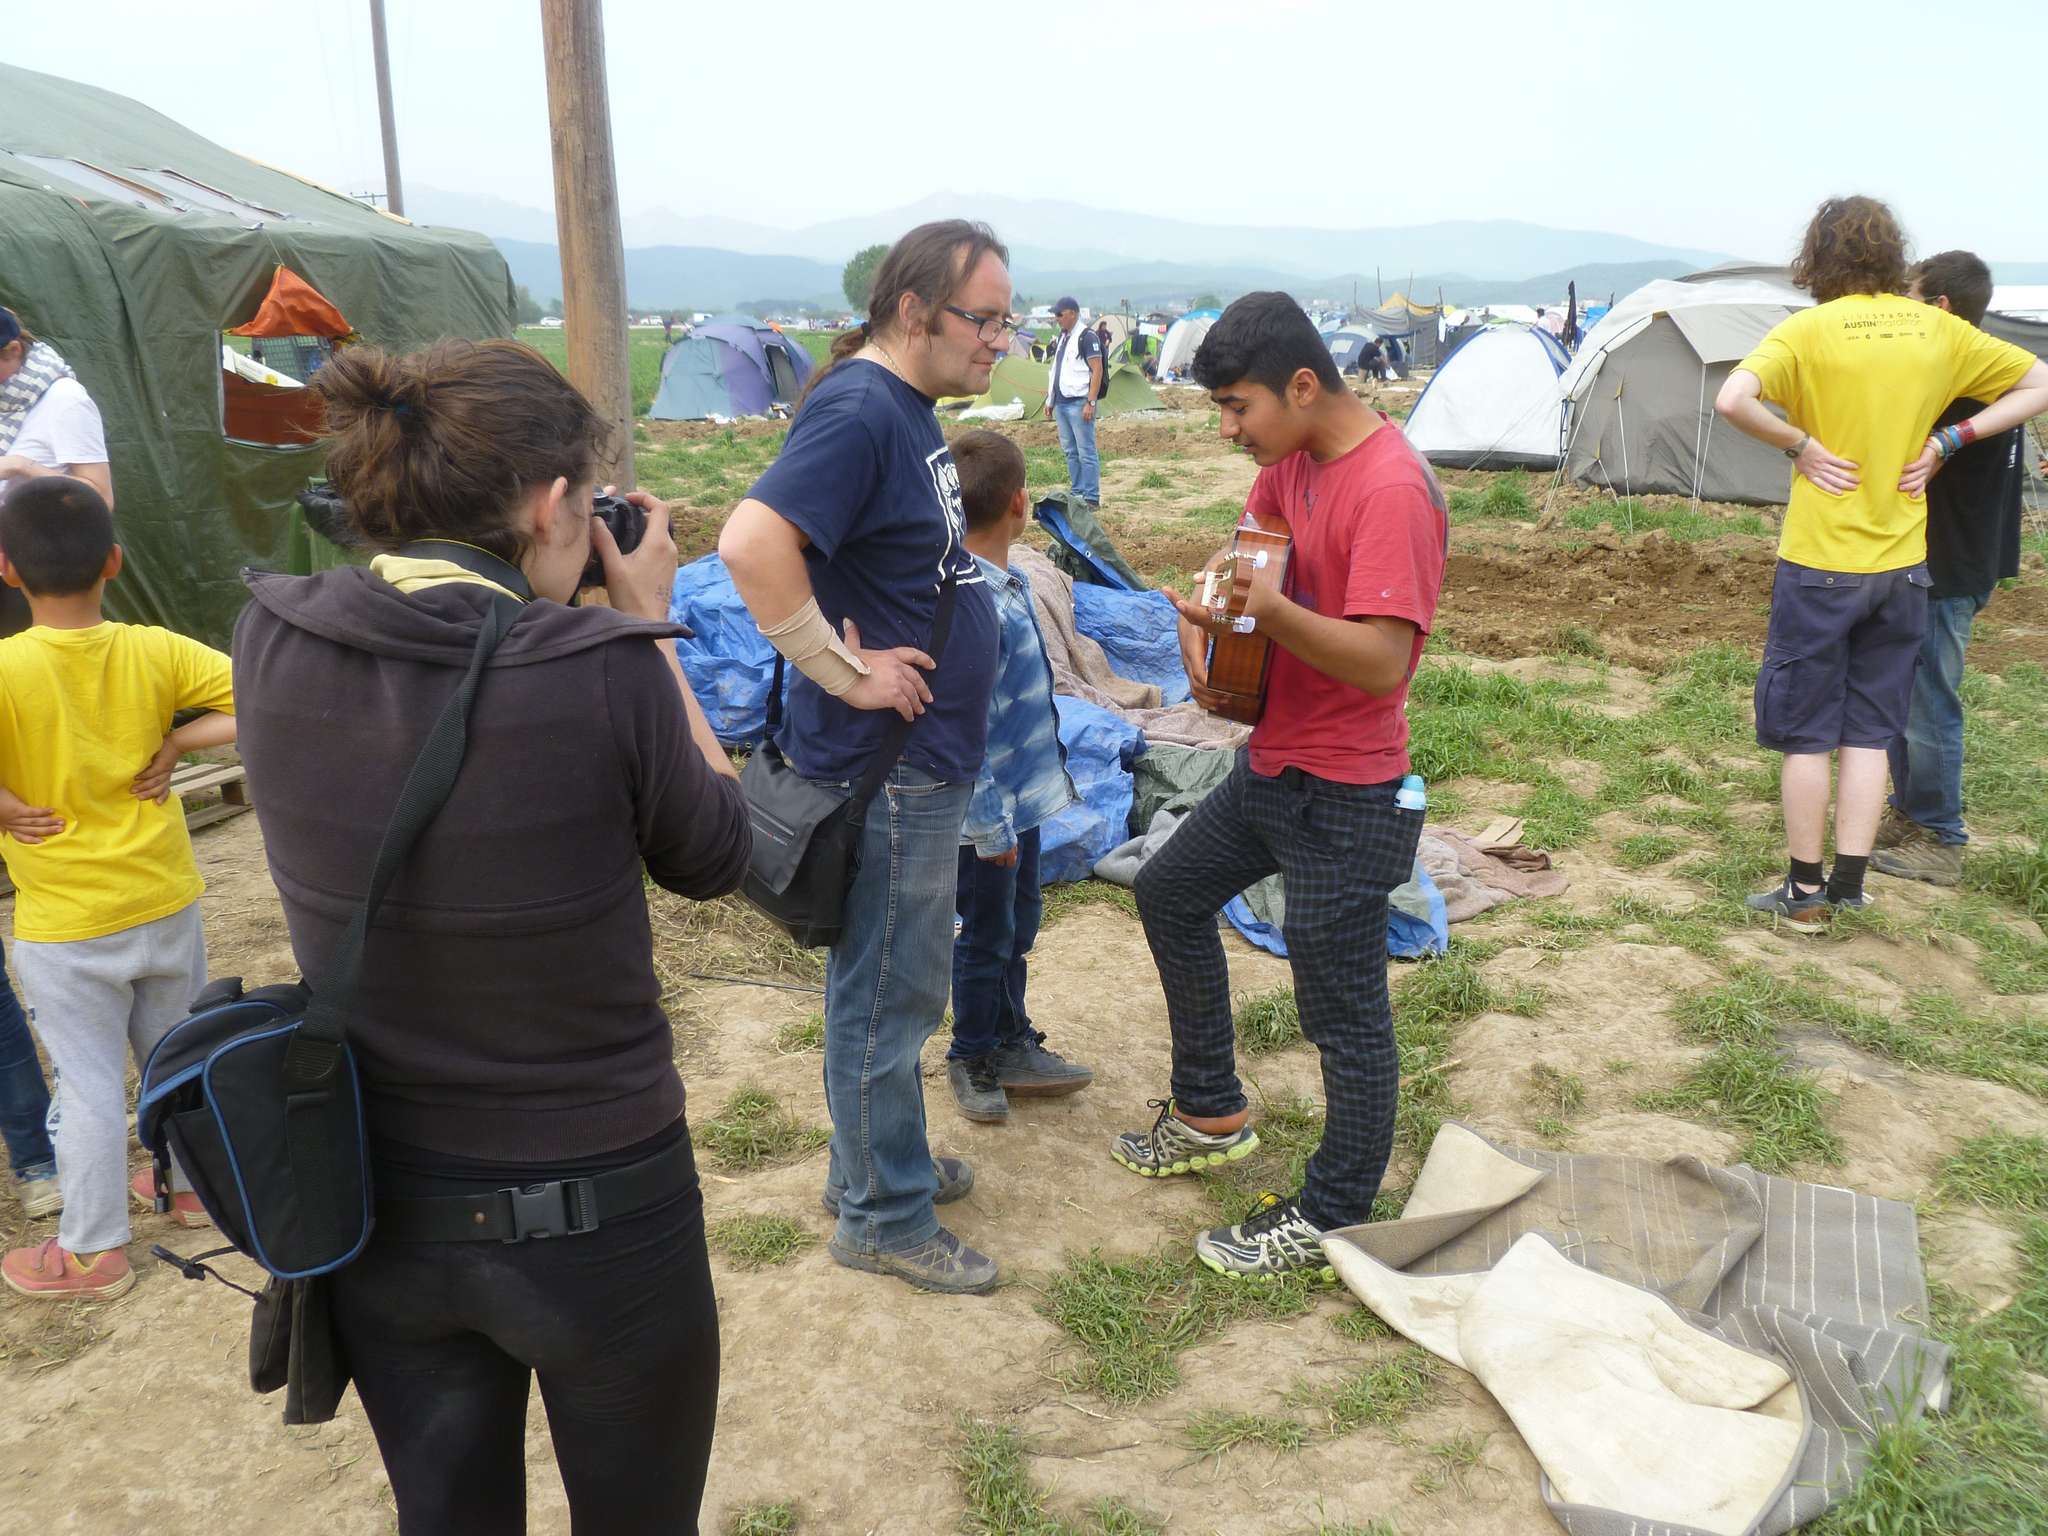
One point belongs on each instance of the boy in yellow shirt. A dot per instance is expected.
(107, 939)
(1861, 378)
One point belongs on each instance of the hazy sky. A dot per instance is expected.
(1714, 125)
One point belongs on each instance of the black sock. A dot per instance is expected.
(1846, 882)
(1807, 872)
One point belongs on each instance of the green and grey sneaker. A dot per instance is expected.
(1173, 1146)
(1921, 856)
(1275, 1240)
(940, 1263)
(1895, 828)
(955, 1177)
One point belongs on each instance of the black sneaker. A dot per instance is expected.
(1275, 1240)
(978, 1090)
(956, 1178)
(1803, 912)
(1025, 1066)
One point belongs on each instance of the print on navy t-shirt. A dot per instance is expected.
(867, 476)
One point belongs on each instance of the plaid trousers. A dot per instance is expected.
(1342, 849)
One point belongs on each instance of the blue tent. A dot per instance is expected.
(731, 366)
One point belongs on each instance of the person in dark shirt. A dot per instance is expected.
(509, 1032)
(1973, 541)
(843, 551)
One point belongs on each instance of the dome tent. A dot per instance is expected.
(1177, 349)
(729, 367)
(1016, 392)
(1641, 389)
(1495, 403)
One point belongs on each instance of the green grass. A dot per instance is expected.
(804, 1034)
(2015, 875)
(1216, 1433)
(754, 1131)
(2000, 1171)
(1559, 1095)
(644, 350)
(1578, 641)
(2023, 1322)
(1631, 515)
(1377, 1397)
(1504, 498)
(1452, 1463)
(1439, 995)
(764, 1520)
(1220, 515)
(1645, 849)
(1289, 1131)
(1130, 1319)
(1153, 480)
(1754, 1089)
(757, 1242)
(1360, 1325)
(1064, 899)
(1002, 1499)
(1267, 1021)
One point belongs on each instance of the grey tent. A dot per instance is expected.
(1641, 389)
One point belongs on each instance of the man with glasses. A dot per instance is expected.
(1070, 396)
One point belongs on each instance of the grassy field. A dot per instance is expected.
(645, 351)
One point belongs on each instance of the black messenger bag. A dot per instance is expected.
(256, 1092)
(807, 839)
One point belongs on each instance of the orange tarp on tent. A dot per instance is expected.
(294, 307)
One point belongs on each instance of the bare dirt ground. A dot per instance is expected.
(843, 1394)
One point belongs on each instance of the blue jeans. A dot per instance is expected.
(999, 913)
(24, 1101)
(1077, 441)
(885, 995)
(1927, 762)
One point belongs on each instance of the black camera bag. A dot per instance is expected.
(256, 1092)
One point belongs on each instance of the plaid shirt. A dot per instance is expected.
(1023, 781)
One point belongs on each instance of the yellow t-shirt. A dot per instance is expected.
(1868, 375)
(81, 712)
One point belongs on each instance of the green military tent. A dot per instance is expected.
(1019, 380)
(131, 245)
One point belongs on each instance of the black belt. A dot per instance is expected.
(559, 1208)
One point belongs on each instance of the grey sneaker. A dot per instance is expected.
(941, 1263)
(1895, 828)
(1275, 1240)
(1803, 913)
(955, 1179)
(1921, 856)
(978, 1090)
(39, 1192)
(1026, 1067)
(1173, 1146)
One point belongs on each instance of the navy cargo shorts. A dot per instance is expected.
(1839, 658)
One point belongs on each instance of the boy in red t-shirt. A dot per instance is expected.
(1312, 796)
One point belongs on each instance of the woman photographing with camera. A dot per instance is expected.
(510, 1038)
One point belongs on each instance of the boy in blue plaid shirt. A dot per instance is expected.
(1023, 784)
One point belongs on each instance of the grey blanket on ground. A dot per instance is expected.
(1688, 1350)
(1081, 670)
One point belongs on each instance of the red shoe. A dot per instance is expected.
(186, 1210)
(49, 1273)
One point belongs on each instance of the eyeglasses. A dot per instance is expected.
(988, 329)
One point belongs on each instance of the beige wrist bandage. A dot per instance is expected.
(811, 645)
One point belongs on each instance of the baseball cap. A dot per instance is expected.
(1065, 304)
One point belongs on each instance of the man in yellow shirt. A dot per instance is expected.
(1861, 378)
(107, 938)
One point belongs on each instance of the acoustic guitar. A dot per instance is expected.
(1239, 656)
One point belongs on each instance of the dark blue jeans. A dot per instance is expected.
(1927, 762)
(24, 1101)
(999, 912)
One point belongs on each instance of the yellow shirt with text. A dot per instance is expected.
(1867, 375)
(81, 712)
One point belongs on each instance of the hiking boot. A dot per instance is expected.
(1275, 1240)
(1895, 828)
(186, 1209)
(1921, 856)
(38, 1191)
(1173, 1146)
(940, 1263)
(978, 1090)
(1803, 913)
(48, 1273)
(955, 1179)
(1026, 1067)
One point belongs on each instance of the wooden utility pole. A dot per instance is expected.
(394, 192)
(587, 222)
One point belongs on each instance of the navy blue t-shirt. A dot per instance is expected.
(867, 476)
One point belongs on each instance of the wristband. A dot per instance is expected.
(1967, 431)
(811, 645)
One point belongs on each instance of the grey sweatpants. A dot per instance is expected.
(93, 1003)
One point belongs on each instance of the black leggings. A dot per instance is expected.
(620, 1324)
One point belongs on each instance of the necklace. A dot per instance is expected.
(893, 366)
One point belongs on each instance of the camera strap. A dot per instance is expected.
(478, 562)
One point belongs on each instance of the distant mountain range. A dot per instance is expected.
(1103, 257)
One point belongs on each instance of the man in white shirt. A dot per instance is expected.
(1070, 394)
(48, 426)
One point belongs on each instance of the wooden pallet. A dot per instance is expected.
(229, 779)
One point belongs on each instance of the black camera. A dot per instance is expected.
(628, 524)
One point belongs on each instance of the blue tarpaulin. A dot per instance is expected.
(1101, 745)
(728, 663)
(1408, 936)
(1140, 634)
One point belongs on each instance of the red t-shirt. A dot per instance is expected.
(1369, 532)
